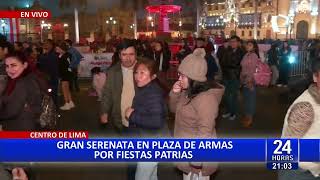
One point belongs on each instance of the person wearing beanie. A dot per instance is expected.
(195, 103)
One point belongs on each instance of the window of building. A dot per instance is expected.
(251, 4)
(259, 3)
(210, 8)
(222, 7)
(216, 7)
(258, 33)
(243, 5)
(242, 33)
(250, 33)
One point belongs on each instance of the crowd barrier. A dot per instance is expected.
(300, 66)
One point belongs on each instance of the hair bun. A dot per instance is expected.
(199, 52)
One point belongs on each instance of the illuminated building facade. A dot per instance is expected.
(275, 19)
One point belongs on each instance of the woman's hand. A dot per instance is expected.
(177, 87)
(251, 85)
(104, 118)
(195, 170)
(19, 174)
(128, 112)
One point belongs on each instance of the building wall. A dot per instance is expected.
(279, 7)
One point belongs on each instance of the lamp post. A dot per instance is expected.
(3, 25)
(180, 24)
(111, 21)
(133, 28)
(66, 32)
(149, 19)
(42, 27)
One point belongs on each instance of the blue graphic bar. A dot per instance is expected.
(282, 150)
(282, 166)
(161, 150)
(309, 150)
(120, 150)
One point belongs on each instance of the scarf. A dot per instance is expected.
(11, 84)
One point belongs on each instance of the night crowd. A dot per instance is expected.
(136, 95)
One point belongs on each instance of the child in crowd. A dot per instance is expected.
(99, 79)
(248, 68)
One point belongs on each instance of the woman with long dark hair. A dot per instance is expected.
(248, 68)
(195, 103)
(65, 74)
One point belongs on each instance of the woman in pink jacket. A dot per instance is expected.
(248, 68)
(195, 103)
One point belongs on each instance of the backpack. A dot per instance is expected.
(49, 114)
(262, 76)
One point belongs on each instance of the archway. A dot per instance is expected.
(302, 30)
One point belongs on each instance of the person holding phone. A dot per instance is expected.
(195, 103)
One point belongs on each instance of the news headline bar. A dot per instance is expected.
(44, 134)
(160, 150)
(25, 14)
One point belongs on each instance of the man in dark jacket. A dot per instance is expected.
(48, 63)
(230, 66)
(161, 55)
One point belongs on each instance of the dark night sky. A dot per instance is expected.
(53, 5)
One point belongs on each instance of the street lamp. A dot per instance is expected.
(111, 21)
(66, 32)
(180, 24)
(42, 26)
(3, 25)
(149, 19)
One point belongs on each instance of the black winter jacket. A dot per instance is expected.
(20, 110)
(230, 64)
(149, 115)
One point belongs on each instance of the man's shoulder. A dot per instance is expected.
(115, 68)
